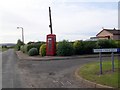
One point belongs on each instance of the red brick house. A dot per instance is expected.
(109, 34)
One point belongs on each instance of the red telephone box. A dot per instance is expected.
(51, 45)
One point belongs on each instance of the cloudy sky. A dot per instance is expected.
(72, 19)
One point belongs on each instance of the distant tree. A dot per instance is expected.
(30, 42)
(4, 46)
(19, 44)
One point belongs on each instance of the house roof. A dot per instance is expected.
(112, 31)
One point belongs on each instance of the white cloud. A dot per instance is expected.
(70, 21)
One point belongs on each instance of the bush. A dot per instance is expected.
(17, 47)
(106, 44)
(22, 49)
(78, 46)
(64, 48)
(42, 51)
(37, 45)
(27, 47)
(56, 46)
(33, 52)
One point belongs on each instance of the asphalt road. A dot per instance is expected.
(40, 74)
(10, 74)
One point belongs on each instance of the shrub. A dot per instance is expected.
(27, 47)
(42, 51)
(64, 48)
(33, 52)
(22, 49)
(37, 45)
(56, 46)
(78, 46)
(17, 47)
(106, 44)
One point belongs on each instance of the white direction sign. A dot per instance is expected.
(105, 50)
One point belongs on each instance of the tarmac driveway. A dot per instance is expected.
(40, 74)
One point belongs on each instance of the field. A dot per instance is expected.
(4, 49)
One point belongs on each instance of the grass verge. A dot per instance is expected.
(4, 49)
(91, 72)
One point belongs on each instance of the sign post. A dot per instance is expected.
(100, 55)
(112, 57)
(112, 50)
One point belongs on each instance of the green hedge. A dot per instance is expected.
(88, 47)
(117, 43)
(78, 46)
(106, 44)
(64, 48)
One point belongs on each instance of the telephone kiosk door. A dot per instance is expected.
(51, 45)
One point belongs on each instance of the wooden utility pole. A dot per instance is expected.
(50, 21)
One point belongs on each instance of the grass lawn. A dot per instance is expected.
(91, 72)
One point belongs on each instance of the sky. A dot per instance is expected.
(71, 19)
